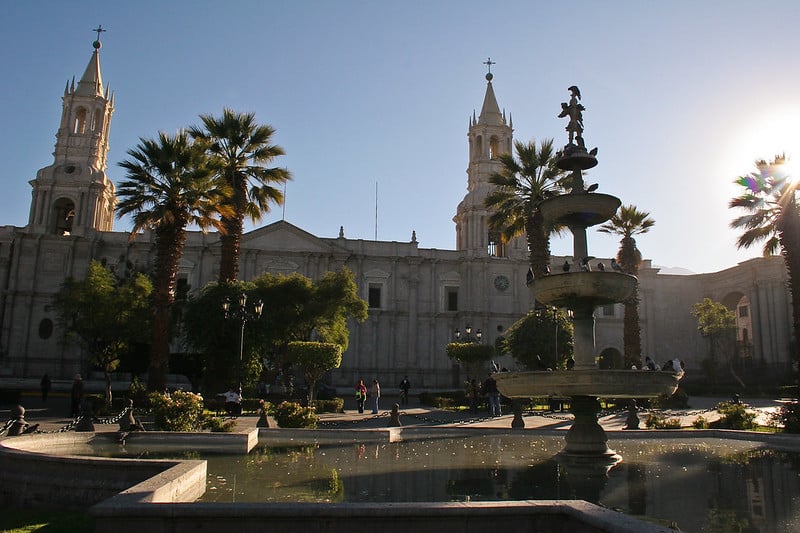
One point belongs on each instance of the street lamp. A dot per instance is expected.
(242, 314)
(468, 338)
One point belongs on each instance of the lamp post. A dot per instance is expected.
(468, 338)
(243, 315)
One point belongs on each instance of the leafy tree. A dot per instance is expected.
(473, 356)
(627, 222)
(169, 186)
(718, 324)
(241, 149)
(314, 358)
(106, 315)
(520, 187)
(772, 216)
(541, 339)
(214, 340)
(295, 309)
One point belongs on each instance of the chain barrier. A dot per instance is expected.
(74, 423)
(8, 425)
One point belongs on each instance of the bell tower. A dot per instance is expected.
(489, 136)
(73, 196)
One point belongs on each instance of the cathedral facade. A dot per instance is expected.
(417, 297)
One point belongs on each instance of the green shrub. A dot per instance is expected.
(137, 391)
(735, 416)
(294, 415)
(329, 406)
(216, 424)
(659, 421)
(177, 411)
(250, 405)
(788, 416)
(700, 423)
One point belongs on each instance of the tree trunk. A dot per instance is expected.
(169, 247)
(230, 241)
(789, 236)
(538, 243)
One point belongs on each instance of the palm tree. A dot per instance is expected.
(242, 149)
(169, 185)
(627, 222)
(773, 217)
(520, 187)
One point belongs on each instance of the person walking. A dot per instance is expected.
(76, 396)
(404, 386)
(473, 391)
(491, 390)
(45, 385)
(375, 391)
(361, 395)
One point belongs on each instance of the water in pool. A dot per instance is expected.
(701, 485)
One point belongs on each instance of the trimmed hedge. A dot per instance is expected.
(329, 406)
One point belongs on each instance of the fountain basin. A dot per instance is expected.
(580, 210)
(597, 383)
(597, 288)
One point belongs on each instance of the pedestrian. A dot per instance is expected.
(404, 386)
(76, 396)
(233, 402)
(491, 390)
(375, 391)
(361, 395)
(473, 391)
(45, 385)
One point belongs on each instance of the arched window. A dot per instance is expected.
(80, 121)
(63, 216)
(97, 118)
(478, 147)
(494, 148)
(495, 247)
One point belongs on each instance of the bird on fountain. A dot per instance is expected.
(616, 266)
(566, 266)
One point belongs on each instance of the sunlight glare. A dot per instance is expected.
(771, 134)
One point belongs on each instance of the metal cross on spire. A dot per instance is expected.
(99, 29)
(488, 62)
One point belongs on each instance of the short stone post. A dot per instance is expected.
(85, 423)
(633, 417)
(517, 422)
(19, 426)
(394, 420)
(263, 421)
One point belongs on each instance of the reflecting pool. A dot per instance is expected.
(699, 484)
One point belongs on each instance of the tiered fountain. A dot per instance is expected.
(582, 290)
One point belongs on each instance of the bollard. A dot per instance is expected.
(20, 426)
(85, 423)
(517, 422)
(633, 417)
(394, 421)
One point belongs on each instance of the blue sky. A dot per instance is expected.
(681, 97)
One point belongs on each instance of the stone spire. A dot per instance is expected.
(73, 196)
(489, 137)
(91, 83)
(490, 112)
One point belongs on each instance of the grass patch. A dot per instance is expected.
(27, 520)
